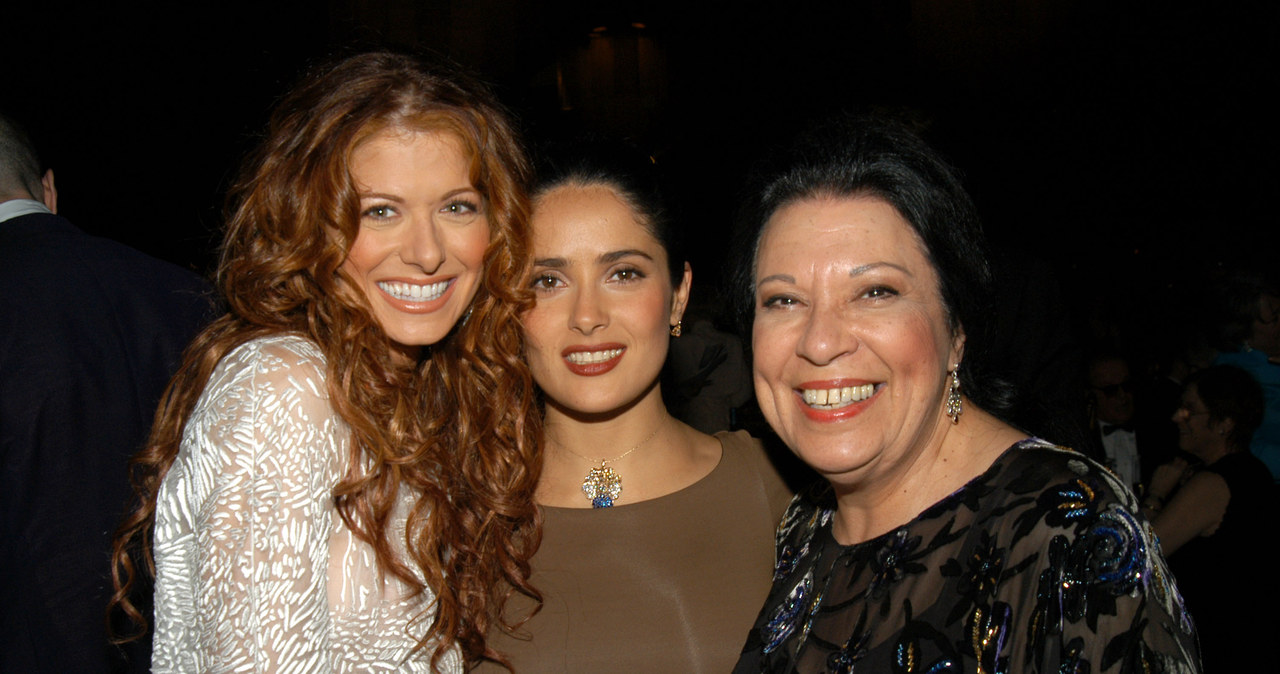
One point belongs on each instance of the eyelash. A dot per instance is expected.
(380, 212)
(873, 293)
(880, 292)
(632, 275)
(539, 283)
(457, 206)
(777, 301)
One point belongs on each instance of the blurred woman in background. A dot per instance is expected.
(1213, 512)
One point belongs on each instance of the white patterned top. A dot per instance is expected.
(255, 570)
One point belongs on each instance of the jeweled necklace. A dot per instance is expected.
(602, 485)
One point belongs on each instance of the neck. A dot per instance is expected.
(671, 459)
(605, 435)
(890, 494)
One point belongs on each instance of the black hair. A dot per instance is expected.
(1229, 392)
(632, 174)
(873, 156)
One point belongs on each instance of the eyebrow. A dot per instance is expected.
(379, 195)
(856, 271)
(393, 197)
(605, 258)
(616, 255)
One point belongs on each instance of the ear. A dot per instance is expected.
(957, 348)
(50, 198)
(680, 298)
(1224, 427)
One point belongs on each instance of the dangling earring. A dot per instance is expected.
(954, 404)
(675, 329)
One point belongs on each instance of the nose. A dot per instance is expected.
(826, 337)
(1180, 415)
(422, 245)
(588, 313)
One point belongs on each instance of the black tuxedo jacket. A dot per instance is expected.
(90, 332)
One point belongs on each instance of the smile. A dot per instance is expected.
(412, 292)
(594, 360)
(835, 398)
(592, 357)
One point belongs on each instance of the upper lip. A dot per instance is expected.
(833, 383)
(417, 281)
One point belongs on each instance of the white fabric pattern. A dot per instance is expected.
(255, 570)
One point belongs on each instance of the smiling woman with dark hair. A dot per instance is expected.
(657, 538)
(945, 539)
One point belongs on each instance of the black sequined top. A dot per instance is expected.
(1040, 564)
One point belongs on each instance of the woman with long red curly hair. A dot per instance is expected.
(342, 471)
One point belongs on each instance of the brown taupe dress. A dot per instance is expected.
(671, 584)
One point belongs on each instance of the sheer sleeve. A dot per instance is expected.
(1105, 599)
(245, 519)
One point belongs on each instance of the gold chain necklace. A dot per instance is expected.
(602, 485)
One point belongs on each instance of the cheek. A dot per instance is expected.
(470, 244)
(536, 323)
(770, 347)
(362, 256)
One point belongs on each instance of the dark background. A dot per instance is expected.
(1126, 146)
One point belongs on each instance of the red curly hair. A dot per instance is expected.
(459, 427)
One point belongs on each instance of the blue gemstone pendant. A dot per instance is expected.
(602, 486)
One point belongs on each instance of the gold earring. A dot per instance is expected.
(955, 407)
(675, 329)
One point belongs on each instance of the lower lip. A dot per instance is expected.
(425, 307)
(838, 414)
(594, 369)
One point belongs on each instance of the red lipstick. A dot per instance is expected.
(592, 369)
(840, 413)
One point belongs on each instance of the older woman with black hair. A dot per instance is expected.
(946, 540)
(1210, 513)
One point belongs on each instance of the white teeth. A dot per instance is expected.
(590, 357)
(412, 292)
(837, 397)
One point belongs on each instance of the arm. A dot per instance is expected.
(1103, 599)
(1195, 510)
(263, 530)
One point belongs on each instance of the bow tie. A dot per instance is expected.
(1108, 429)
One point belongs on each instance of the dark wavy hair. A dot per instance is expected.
(874, 156)
(431, 426)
